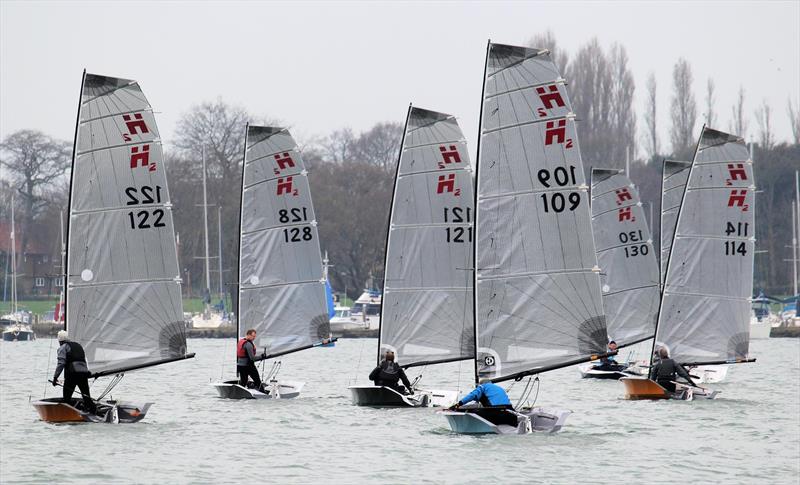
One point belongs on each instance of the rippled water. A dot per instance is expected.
(750, 434)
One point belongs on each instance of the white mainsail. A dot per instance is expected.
(629, 271)
(427, 297)
(281, 287)
(705, 310)
(674, 175)
(123, 298)
(538, 301)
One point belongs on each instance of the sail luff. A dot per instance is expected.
(674, 175)
(69, 198)
(389, 232)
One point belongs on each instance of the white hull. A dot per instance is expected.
(275, 390)
(528, 421)
(709, 374)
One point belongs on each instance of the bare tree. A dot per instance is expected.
(650, 117)
(739, 122)
(36, 162)
(590, 79)
(766, 137)
(548, 41)
(623, 114)
(794, 120)
(683, 111)
(711, 115)
(339, 146)
(380, 145)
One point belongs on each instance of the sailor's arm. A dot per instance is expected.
(682, 372)
(62, 361)
(374, 374)
(404, 378)
(475, 395)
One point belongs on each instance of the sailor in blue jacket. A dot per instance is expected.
(488, 394)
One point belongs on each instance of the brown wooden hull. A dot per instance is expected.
(53, 410)
(56, 412)
(643, 389)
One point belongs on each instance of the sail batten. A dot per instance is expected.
(281, 288)
(629, 272)
(426, 315)
(123, 284)
(705, 309)
(538, 301)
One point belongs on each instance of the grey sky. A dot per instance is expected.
(320, 66)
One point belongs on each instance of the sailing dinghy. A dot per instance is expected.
(704, 316)
(426, 316)
(538, 305)
(629, 277)
(281, 290)
(123, 297)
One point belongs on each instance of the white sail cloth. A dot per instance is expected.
(629, 272)
(427, 296)
(281, 289)
(674, 175)
(538, 300)
(705, 311)
(123, 282)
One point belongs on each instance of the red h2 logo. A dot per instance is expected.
(737, 199)
(623, 194)
(626, 214)
(447, 183)
(556, 132)
(284, 162)
(550, 96)
(736, 172)
(135, 125)
(449, 156)
(140, 157)
(285, 187)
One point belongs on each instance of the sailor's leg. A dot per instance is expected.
(242, 371)
(83, 385)
(69, 388)
(253, 371)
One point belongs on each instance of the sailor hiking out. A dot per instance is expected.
(246, 359)
(666, 371)
(72, 361)
(388, 373)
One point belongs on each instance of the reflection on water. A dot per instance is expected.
(750, 434)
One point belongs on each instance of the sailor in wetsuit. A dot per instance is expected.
(492, 396)
(388, 372)
(246, 359)
(666, 370)
(609, 363)
(72, 361)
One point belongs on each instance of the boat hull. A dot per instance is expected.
(708, 374)
(54, 410)
(478, 421)
(386, 397)
(588, 371)
(12, 335)
(276, 390)
(639, 389)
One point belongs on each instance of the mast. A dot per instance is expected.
(475, 223)
(69, 198)
(796, 235)
(238, 302)
(207, 260)
(13, 263)
(388, 232)
(219, 246)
